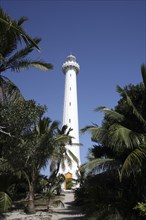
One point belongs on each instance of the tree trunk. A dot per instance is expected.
(30, 208)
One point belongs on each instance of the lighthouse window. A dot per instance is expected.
(69, 120)
(70, 75)
(70, 103)
(70, 88)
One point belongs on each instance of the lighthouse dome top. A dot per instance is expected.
(71, 58)
(70, 64)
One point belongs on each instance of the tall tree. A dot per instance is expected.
(32, 142)
(18, 126)
(121, 151)
(123, 131)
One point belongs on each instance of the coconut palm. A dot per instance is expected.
(13, 55)
(40, 147)
(41, 144)
(50, 196)
(61, 154)
(123, 133)
(120, 151)
(16, 27)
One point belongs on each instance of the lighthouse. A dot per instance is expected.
(70, 69)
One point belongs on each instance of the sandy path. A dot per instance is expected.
(69, 212)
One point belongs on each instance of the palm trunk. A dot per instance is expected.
(30, 205)
(1, 92)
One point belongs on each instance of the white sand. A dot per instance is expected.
(69, 212)
(20, 215)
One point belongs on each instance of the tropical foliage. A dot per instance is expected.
(33, 142)
(118, 159)
(62, 154)
(27, 139)
(141, 207)
(50, 194)
(5, 202)
(15, 46)
(11, 56)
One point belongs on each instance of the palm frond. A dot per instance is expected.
(121, 136)
(17, 28)
(89, 128)
(96, 163)
(17, 66)
(98, 133)
(73, 157)
(129, 102)
(10, 90)
(62, 139)
(25, 64)
(43, 125)
(5, 202)
(54, 125)
(134, 160)
(63, 129)
(111, 114)
(22, 20)
(20, 54)
(69, 130)
(42, 65)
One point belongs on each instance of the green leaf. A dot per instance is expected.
(136, 157)
(129, 102)
(21, 20)
(111, 114)
(121, 136)
(95, 163)
(41, 65)
(5, 202)
(20, 31)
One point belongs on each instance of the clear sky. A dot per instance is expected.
(108, 39)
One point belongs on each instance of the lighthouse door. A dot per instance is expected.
(68, 181)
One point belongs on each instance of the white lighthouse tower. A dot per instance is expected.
(70, 114)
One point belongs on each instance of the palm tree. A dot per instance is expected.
(41, 144)
(120, 151)
(124, 134)
(40, 147)
(16, 27)
(11, 56)
(61, 153)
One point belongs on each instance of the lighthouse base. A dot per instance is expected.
(69, 182)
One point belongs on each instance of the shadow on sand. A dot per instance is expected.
(70, 212)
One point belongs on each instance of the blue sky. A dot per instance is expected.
(108, 39)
